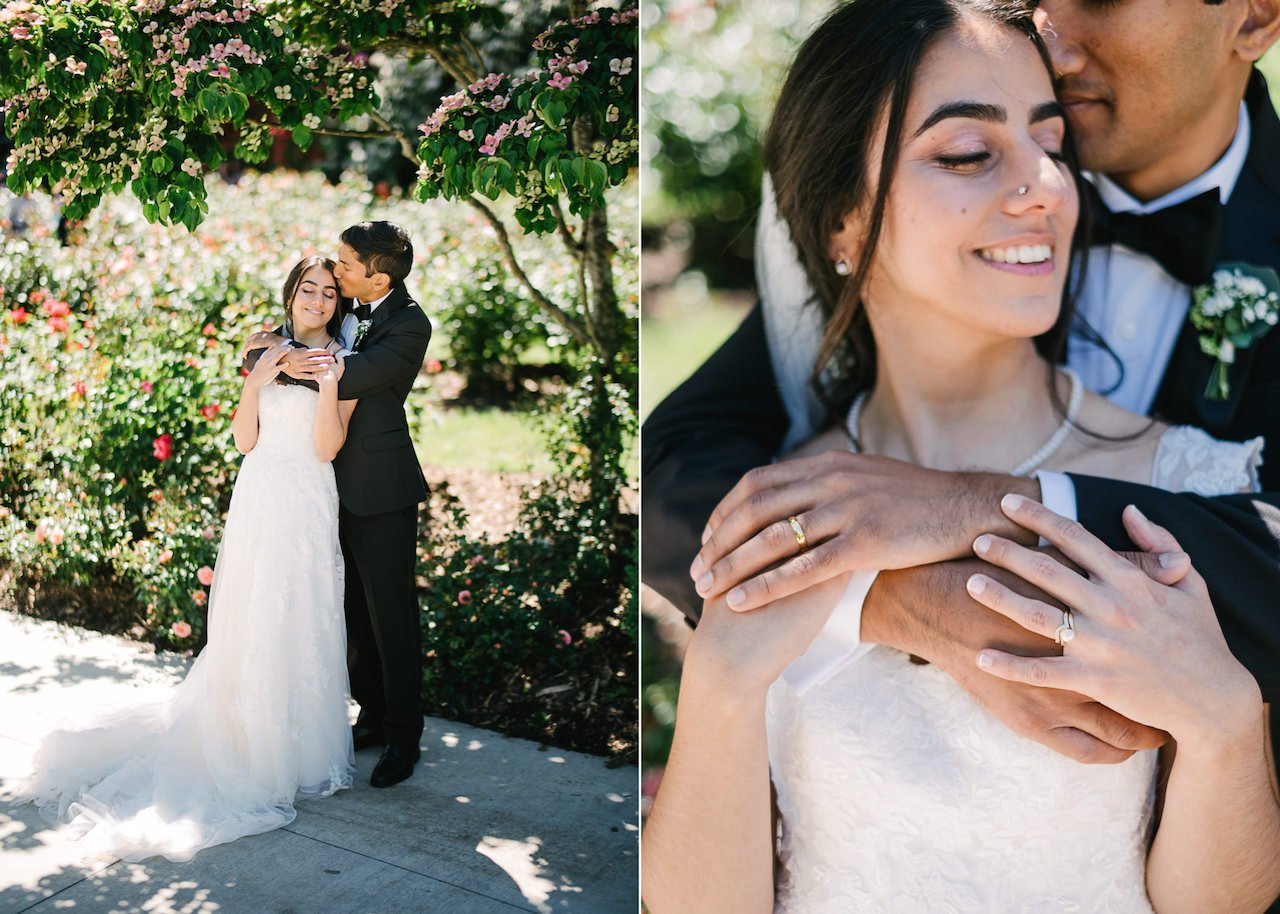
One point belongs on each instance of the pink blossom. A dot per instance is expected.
(560, 81)
(199, 596)
(205, 575)
(55, 536)
(146, 387)
(75, 66)
(165, 556)
(20, 32)
(162, 447)
(565, 637)
(180, 629)
(464, 597)
(41, 533)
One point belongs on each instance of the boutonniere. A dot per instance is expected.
(361, 329)
(1233, 312)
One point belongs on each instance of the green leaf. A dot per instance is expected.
(302, 136)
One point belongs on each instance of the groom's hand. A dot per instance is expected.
(928, 612)
(307, 364)
(856, 512)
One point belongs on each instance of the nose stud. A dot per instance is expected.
(1024, 190)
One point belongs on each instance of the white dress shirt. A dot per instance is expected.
(350, 321)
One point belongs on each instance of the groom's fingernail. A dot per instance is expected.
(976, 584)
(696, 569)
(1011, 502)
(736, 597)
(706, 534)
(1173, 559)
(704, 584)
(984, 661)
(982, 544)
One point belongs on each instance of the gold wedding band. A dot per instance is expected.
(1067, 630)
(801, 540)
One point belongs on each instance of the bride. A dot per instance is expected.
(261, 718)
(925, 172)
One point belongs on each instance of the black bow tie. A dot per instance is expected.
(362, 312)
(1182, 238)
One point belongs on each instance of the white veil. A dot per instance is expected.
(792, 319)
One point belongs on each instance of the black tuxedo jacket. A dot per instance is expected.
(728, 418)
(377, 469)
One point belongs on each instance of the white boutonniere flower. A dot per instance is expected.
(361, 329)
(1233, 312)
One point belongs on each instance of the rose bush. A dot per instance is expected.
(122, 353)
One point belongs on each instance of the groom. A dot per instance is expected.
(1163, 101)
(380, 485)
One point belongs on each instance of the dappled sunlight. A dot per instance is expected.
(453, 741)
(521, 861)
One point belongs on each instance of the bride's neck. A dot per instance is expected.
(316, 339)
(957, 407)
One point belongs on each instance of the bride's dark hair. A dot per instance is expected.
(291, 283)
(859, 63)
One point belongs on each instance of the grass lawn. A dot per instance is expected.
(483, 438)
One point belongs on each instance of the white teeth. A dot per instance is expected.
(1025, 253)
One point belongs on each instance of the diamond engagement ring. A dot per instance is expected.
(1067, 630)
(801, 540)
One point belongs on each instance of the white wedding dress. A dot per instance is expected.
(899, 794)
(261, 717)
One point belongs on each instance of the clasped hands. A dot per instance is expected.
(986, 619)
(299, 364)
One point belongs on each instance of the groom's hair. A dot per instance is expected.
(383, 247)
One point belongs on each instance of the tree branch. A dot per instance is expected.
(574, 246)
(562, 317)
(407, 149)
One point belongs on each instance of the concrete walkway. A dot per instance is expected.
(486, 825)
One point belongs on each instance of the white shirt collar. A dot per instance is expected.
(373, 304)
(1223, 175)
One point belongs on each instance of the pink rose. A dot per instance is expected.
(55, 536)
(146, 387)
(464, 597)
(162, 447)
(180, 630)
(205, 575)
(199, 596)
(165, 556)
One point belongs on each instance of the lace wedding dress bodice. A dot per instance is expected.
(261, 717)
(899, 794)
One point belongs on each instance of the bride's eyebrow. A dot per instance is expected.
(981, 111)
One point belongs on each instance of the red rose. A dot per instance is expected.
(18, 315)
(210, 411)
(58, 323)
(434, 366)
(162, 447)
(209, 330)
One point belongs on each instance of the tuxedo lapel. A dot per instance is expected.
(1251, 234)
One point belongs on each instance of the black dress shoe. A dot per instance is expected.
(395, 765)
(365, 737)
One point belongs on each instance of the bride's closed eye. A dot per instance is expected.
(967, 162)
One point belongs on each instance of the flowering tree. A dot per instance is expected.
(104, 95)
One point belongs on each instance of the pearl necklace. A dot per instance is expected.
(1028, 466)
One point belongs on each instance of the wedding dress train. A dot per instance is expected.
(261, 717)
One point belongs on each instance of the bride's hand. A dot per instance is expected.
(268, 366)
(748, 651)
(1154, 653)
(333, 374)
